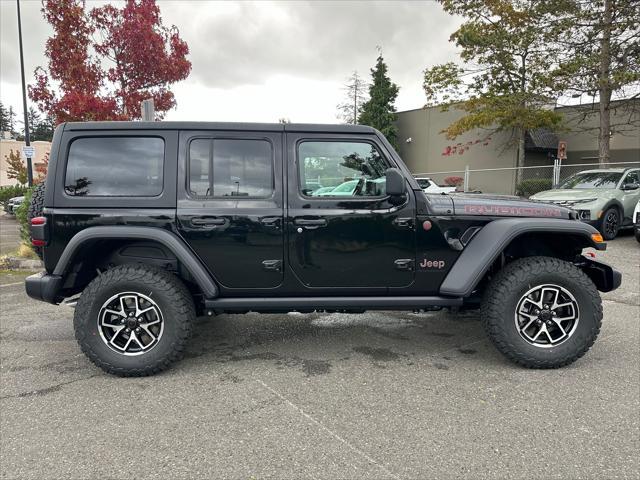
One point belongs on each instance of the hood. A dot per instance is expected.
(571, 194)
(505, 206)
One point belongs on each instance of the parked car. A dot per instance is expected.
(604, 198)
(12, 204)
(429, 186)
(636, 221)
(353, 188)
(137, 230)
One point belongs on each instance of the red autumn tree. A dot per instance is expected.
(105, 61)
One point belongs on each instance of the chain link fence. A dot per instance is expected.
(521, 181)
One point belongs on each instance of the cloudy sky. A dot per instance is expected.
(266, 60)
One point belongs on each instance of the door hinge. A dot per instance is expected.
(272, 265)
(404, 264)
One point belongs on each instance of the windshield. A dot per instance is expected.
(592, 180)
(346, 187)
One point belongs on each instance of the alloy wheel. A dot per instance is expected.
(547, 315)
(611, 224)
(130, 323)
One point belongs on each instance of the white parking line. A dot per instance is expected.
(330, 432)
(12, 284)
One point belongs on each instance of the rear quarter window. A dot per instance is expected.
(115, 166)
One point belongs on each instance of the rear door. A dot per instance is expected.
(230, 205)
(345, 233)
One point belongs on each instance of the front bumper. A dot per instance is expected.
(602, 275)
(44, 287)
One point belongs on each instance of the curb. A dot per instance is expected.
(15, 263)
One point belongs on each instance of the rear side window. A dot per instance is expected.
(230, 168)
(115, 166)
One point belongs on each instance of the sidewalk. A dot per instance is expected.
(9, 233)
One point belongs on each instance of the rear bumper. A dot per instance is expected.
(44, 287)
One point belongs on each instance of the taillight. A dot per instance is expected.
(39, 231)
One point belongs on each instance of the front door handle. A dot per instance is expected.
(404, 264)
(311, 222)
(207, 222)
(400, 222)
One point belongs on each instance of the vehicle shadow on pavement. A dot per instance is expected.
(313, 343)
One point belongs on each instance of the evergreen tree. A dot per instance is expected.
(379, 111)
(39, 128)
(4, 118)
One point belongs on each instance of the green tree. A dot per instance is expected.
(379, 111)
(7, 120)
(39, 128)
(508, 81)
(355, 96)
(602, 60)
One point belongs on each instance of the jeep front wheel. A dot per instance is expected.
(542, 312)
(134, 320)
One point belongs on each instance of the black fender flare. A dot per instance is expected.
(493, 238)
(168, 239)
(614, 202)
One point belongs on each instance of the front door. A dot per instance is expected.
(230, 208)
(344, 231)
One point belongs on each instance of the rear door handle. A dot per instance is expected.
(207, 221)
(311, 222)
(270, 222)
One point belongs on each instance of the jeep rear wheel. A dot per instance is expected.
(542, 312)
(134, 320)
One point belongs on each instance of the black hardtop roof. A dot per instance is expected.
(240, 126)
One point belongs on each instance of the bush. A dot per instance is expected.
(526, 188)
(11, 191)
(21, 216)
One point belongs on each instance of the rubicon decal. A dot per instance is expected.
(504, 210)
(427, 264)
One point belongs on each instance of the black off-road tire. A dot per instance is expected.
(172, 298)
(507, 288)
(36, 208)
(610, 232)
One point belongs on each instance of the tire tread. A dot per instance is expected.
(504, 284)
(177, 295)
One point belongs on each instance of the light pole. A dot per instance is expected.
(24, 101)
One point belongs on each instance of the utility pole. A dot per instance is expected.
(24, 101)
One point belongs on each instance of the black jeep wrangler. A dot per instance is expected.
(152, 224)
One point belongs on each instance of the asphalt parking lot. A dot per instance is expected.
(379, 395)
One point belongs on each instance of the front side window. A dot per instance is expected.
(230, 168)
(115, 166)
(341, 169)
(632, 177)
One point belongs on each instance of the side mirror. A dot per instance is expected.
(630, 186)
(395, 182)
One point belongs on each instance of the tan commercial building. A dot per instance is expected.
(6, 145)
(426, 150)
